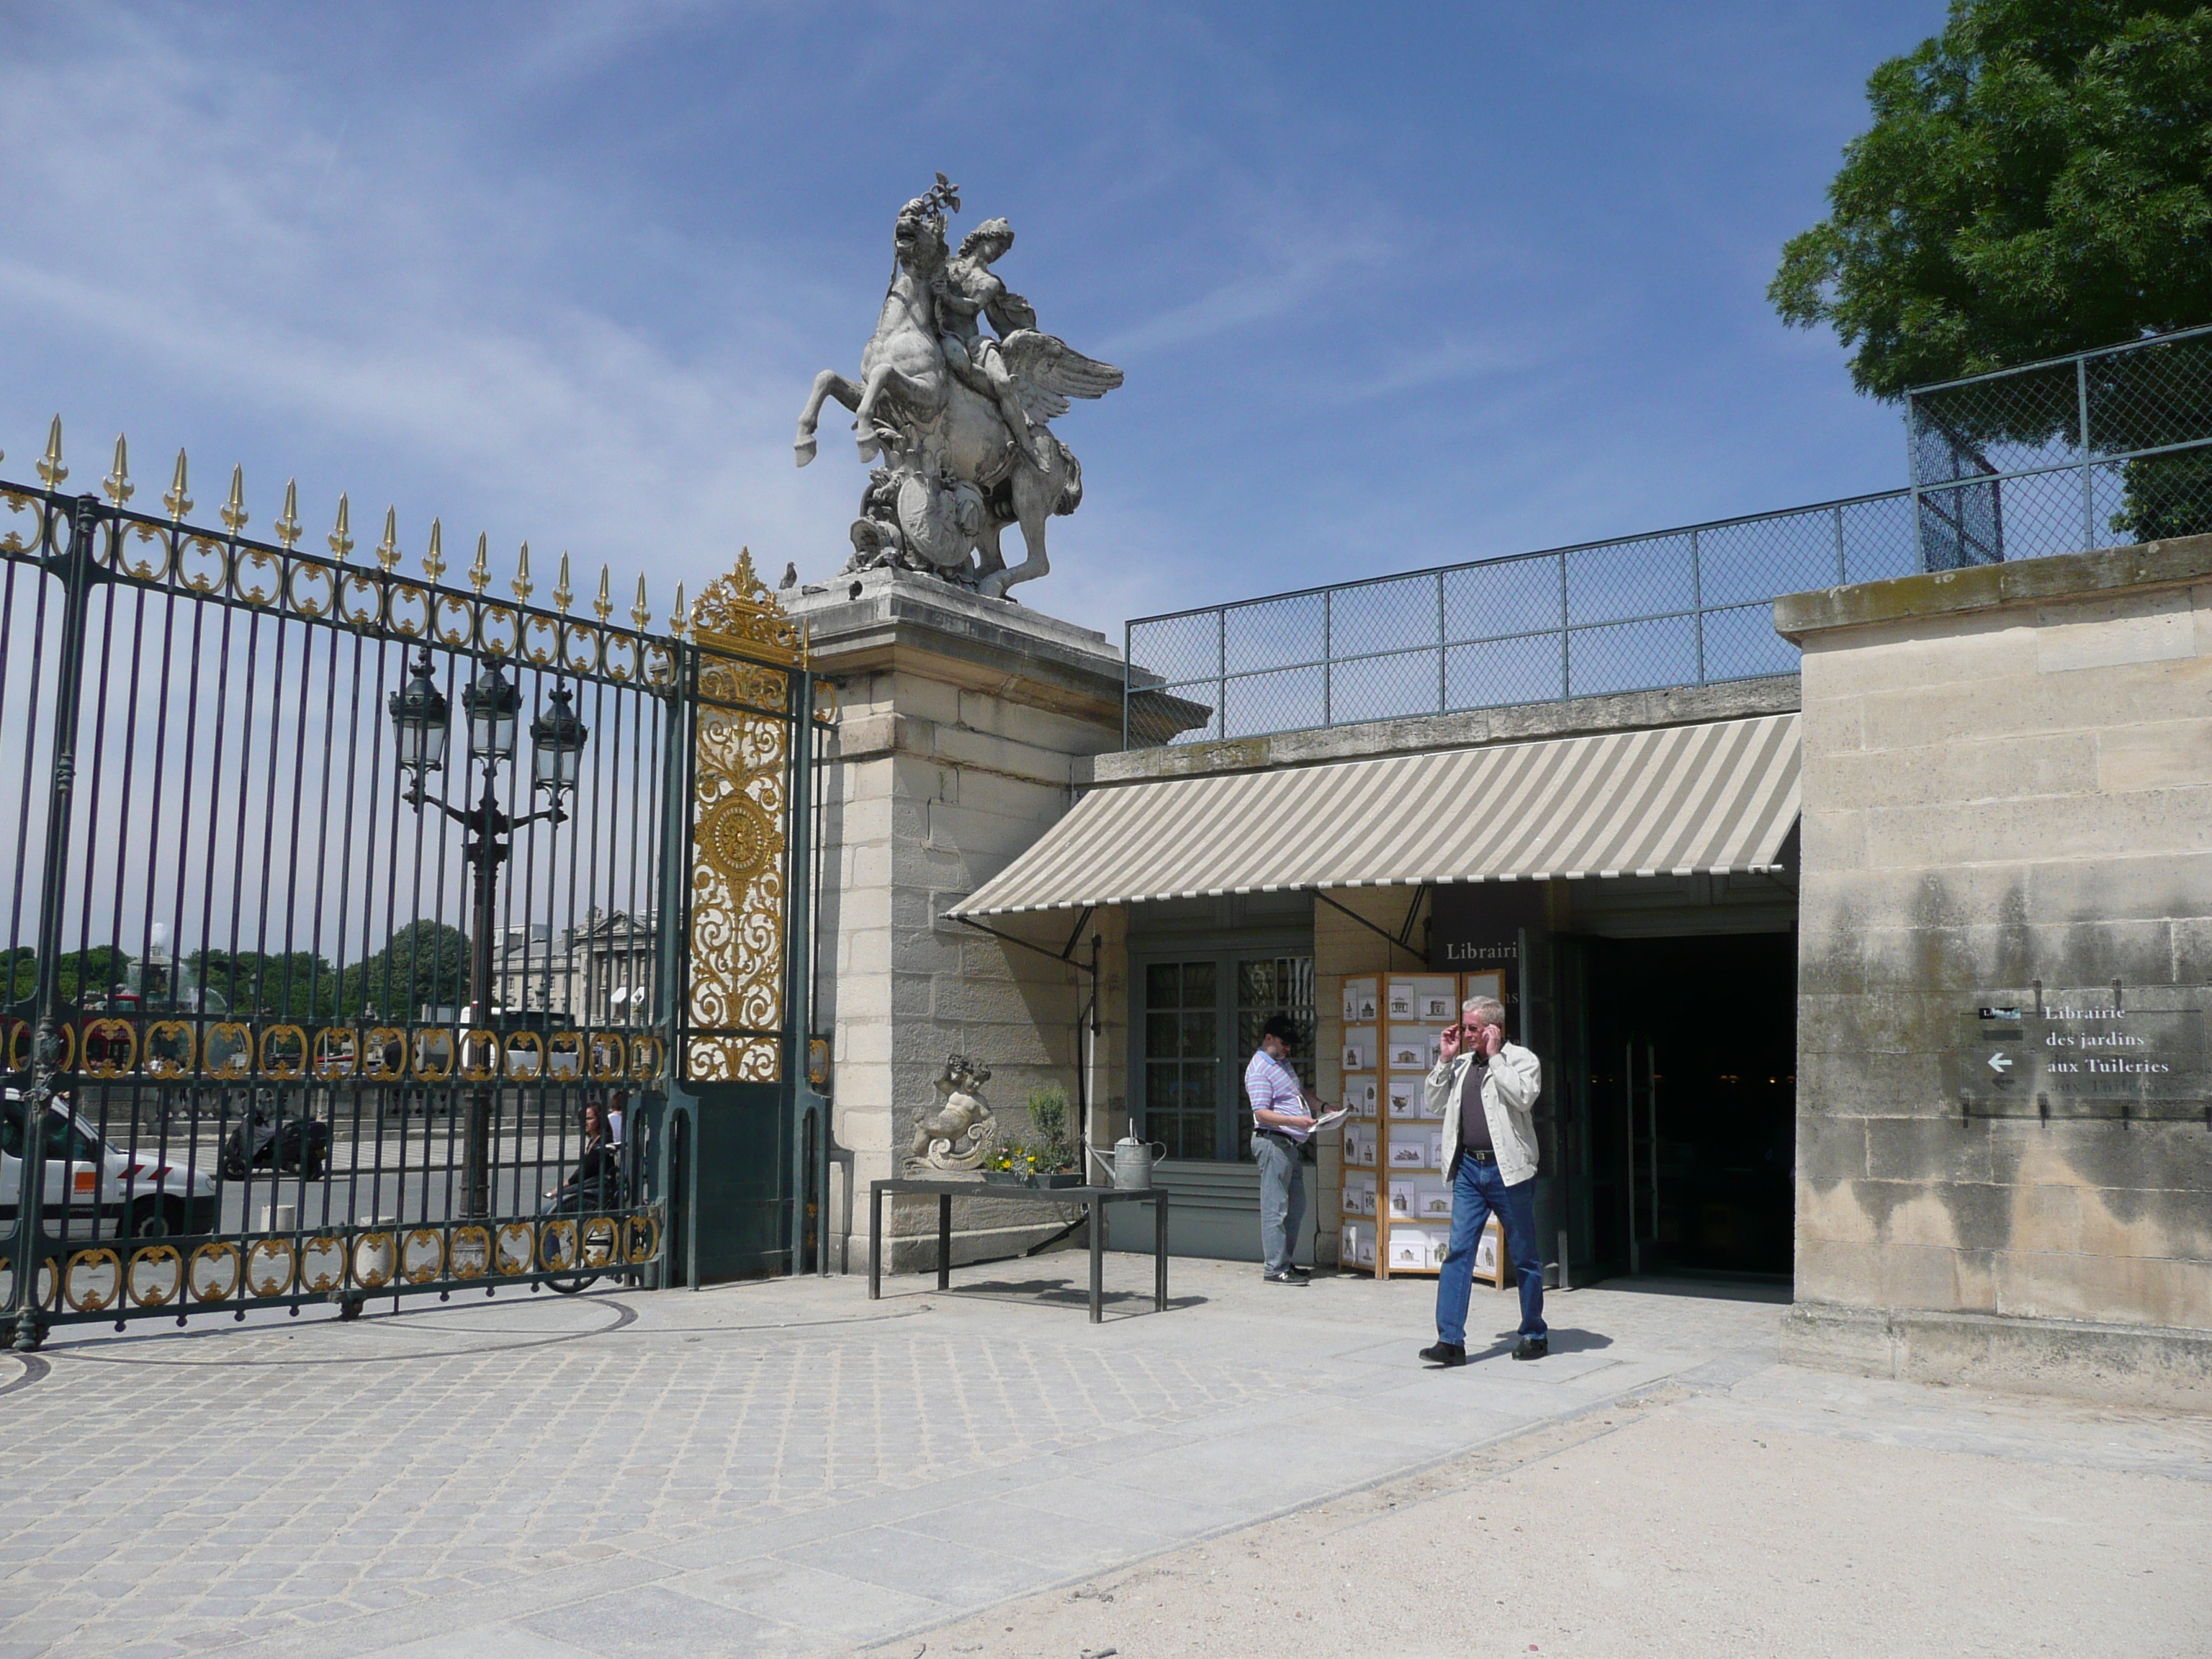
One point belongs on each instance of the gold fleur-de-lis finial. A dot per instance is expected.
(234, 510)
(387, 551)
(480, 572)
(50, 466)
(522, 588)
(117, 483)
(638, 612)
(604, 605)
(286, 526)
(177, 500)
(562, 594)
(434, 556)
(678, 613)
(341, 536)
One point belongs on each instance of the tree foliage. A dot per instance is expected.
(2035, 182)
(424, 964)
(271, 985)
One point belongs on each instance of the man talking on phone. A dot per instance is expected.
(1484, 1089)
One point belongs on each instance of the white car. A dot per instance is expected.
(93, 1191)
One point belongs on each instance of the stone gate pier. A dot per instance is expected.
(961, 723)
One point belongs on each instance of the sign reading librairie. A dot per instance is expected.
(2076, 1054)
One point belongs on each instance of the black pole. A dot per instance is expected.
(76, 569)
(485, 853)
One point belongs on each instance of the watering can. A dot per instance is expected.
(1130, 1170)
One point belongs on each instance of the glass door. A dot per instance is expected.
(1182, 1057)
(1202, 1020)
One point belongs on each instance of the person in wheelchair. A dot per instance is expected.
(597, 1184)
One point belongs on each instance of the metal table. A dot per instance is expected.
(1091, 1198)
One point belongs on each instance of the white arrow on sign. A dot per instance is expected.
(2000, 1063)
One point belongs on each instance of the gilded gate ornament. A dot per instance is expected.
(747, 650)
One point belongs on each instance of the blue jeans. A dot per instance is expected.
(1282, 1201)
(1477, 1190)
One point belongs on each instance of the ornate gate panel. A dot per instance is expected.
(331, 895)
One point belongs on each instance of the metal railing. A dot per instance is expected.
(1688, 606)
(2099, 448)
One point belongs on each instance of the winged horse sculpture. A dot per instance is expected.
(958, 419)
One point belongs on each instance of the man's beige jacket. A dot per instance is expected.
(1509, 1093)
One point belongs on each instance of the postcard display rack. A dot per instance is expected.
(1397, 1207)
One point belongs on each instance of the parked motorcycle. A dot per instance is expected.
(263, 1141)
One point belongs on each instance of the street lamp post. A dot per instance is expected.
(490, 704)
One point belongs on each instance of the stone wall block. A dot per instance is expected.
(1831, 1148)
(2009, 769)
(2114, 1290)
(1928, 1148)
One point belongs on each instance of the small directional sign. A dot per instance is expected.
(2082, 1053)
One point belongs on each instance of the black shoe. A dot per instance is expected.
(1532, 1348)
(1288, 1277)
(1299, 1272)
(1445, 1353)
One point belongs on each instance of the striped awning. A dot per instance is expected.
(1679, 800)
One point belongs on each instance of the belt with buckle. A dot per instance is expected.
(1479, 1154)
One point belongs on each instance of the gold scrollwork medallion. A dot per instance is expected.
(648, 1056)
(359, 602)
(479, 1056)
(580, 647)
(557, 1245)
(254, 566)
(283, 1052)
(202, 564)
(641, 1237)
(271, 1265)
(384, 1054)
(497, 631)
(601, 1239)
(539, 641)
(26, 526)
(469, 1255)
(18, 1044)
(111, 1047)
(93, 1280)
(407, 610)
(564, 1056)
(157, 1276)
(143, 569)
(322, 1264)
(375, 1259)
(422, 1254)
(604, 1057)
(169, 1047)
(310, 603)
(515, 1248)
(622, 662)
(660, 664)
(337, 1051)
(525, 1054)
(433, 1055)
(452, 620)
(215, 1271)
(227, 1051)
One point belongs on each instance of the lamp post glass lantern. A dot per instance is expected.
(492, 704)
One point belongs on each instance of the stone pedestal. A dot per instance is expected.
(960, 719)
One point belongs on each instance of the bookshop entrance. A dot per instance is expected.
(1693, 1102)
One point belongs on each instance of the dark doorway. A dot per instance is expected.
(1692, 1102)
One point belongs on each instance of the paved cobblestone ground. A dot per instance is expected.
(781, 1468)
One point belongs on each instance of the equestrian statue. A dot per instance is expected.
(958, 419)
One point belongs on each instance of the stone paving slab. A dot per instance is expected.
(781, 1468)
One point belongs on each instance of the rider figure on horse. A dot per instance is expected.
(965, 286)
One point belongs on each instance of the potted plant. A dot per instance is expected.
(1052, 1160)
(1011, 1165)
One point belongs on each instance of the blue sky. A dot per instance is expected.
(1393, 286)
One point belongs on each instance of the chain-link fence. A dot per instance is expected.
(1682, 607)
(2097, 450)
